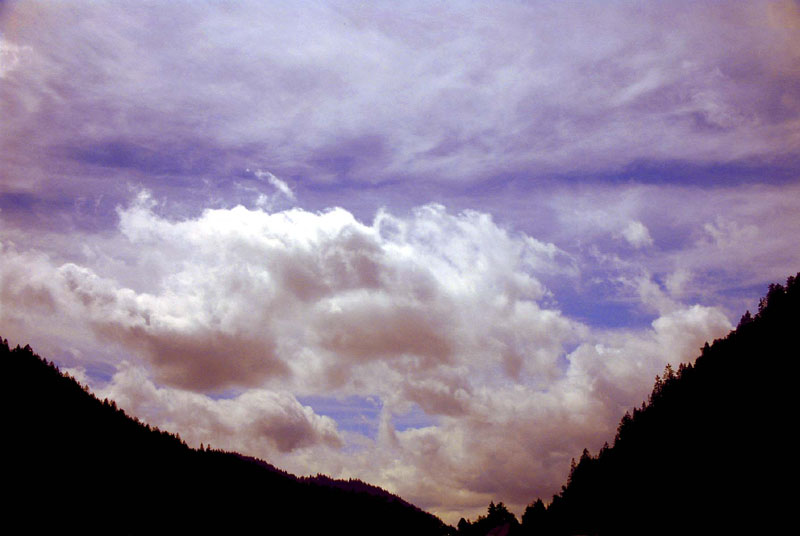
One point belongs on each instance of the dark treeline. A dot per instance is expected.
(498, 521)
(75, 464)
(707, 453)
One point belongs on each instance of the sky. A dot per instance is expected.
(441, 247)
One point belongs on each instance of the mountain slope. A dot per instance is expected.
(73, 462)
(707, 452)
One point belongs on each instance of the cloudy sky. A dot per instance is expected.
(441, 247)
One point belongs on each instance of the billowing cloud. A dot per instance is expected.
(439, 311)
(266, 422)
(243, 296)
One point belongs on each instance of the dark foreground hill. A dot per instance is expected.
(75, 464)
(708, 453)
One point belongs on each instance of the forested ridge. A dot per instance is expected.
(707, 453)
(77, 464)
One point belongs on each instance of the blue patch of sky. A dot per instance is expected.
(347, 156)
(605, 313)
(601, 305)
(100, 372)
(124, 154)
(226, 394)
(735, 297)
(187, 158)
(672, 237)
(677, 172)
(661, 172)
(15, 205)
(13, 201)
(362, 414)
(357, 414)
(561, 362)
(414, 418)
(59, 210)
(747, 292)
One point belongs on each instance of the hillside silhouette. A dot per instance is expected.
(707, 453)
(75, 464)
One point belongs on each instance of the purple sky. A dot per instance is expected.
(441, 249)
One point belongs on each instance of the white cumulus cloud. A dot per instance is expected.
(435, 310)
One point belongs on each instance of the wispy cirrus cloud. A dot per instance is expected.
(340, 93)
